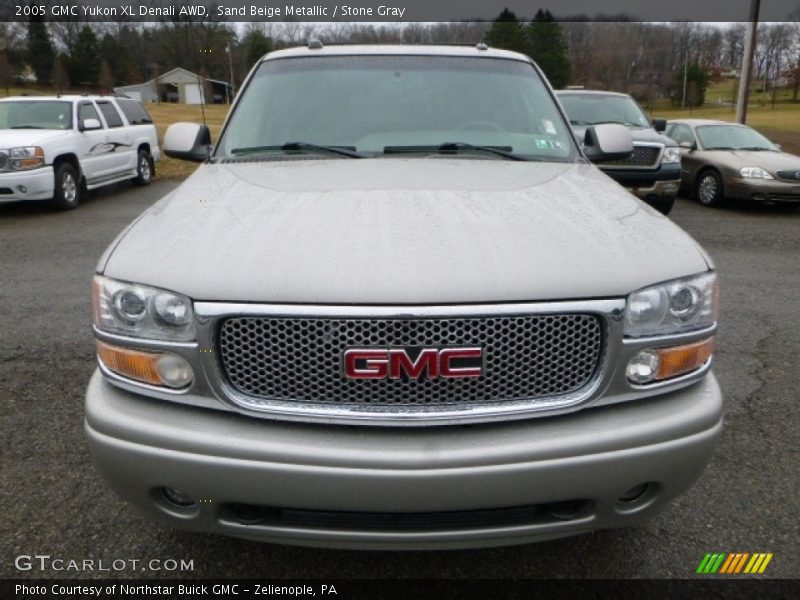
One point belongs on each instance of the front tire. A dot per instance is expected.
(709, 190)
(144, 168)
(67, 192)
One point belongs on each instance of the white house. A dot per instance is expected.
(178, 85)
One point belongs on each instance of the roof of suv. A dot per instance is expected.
(396, 50)
(67, 97)
(590, 93)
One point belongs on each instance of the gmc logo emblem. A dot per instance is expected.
(394, 363)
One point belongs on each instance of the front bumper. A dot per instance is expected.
(587, 460)
(38, 183)
(767, 190)
(662, 183)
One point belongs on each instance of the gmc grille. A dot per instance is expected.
(300, 359)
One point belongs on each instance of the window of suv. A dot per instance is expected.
(134, 112)
(111, 114)
(375, 103)
(86, 110)
(35, 114)
(592, 109)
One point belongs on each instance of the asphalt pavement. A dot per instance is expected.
(53, 502)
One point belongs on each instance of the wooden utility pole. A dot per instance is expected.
(747, 63)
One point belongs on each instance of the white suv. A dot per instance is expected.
(55, 147)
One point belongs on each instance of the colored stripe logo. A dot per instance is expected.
(734, 563)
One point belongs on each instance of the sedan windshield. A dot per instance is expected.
(592, 109)
(732, 137)
(368, 106)
(35, 114)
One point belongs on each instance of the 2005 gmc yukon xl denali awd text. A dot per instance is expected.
(398, 307)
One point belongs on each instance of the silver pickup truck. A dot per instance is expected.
(397, 306)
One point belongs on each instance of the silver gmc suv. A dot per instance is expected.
(397, 306)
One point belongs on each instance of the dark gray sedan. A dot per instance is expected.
(722, 160)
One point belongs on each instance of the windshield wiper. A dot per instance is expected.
(454, 147)
(26, 127)
(628, 123)
(348, 151)
(756, 148)
(721, 148)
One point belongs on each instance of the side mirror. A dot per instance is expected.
(90, 124)
(688, 145)
(187, 141)
(660, 125)
(608, 141)
(779, 147)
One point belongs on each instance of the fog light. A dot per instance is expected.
(22, 189)
(633, 494)
(643, 367)
(174, 370)
(177, 497)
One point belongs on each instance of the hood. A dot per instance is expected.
(639, 134)
(771, 161)
(401, 231)
(12, 138)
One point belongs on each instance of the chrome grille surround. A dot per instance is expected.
(645, 155)
(212, 317)
(526, 358)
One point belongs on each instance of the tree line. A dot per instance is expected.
(646, 59)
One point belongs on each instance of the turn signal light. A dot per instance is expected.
(133, 364)
(657, 364)
(683, 359)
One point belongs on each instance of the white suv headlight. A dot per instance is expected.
(671, 155)
(142, 311)
(25, 157)
(677, 306)
(754, 173)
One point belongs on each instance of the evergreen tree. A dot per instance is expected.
(84, 63)
(697, 80)
(507, 33)
(548, 47)
(40, 53)
(256, 45)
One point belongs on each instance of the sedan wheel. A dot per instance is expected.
(709, 189)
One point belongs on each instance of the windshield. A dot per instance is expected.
(35, 114)
(591, 109)
(732, 137)
(387, 105)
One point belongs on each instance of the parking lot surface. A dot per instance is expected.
(53, 501)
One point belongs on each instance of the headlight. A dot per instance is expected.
(25, 157)
(673, 307)
(671, 155)
(754, 173)
(142, 311)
